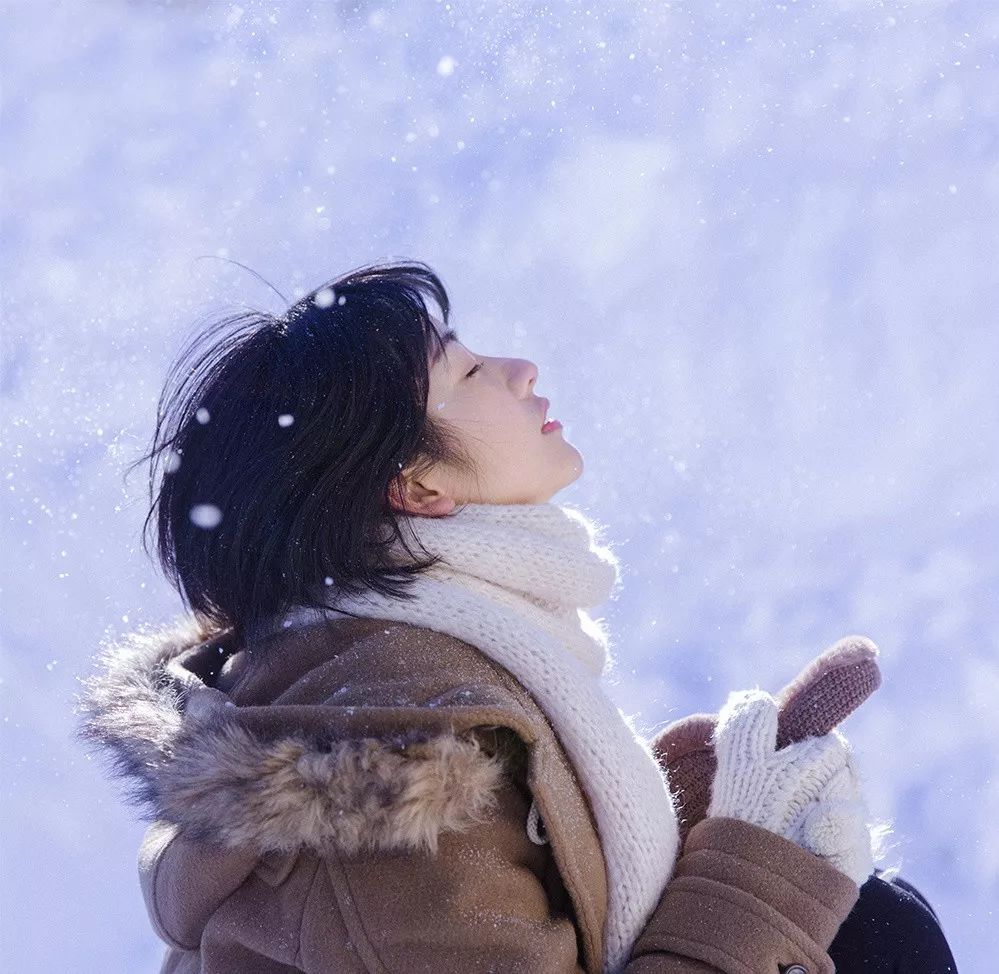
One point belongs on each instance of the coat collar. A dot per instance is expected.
(366, 734)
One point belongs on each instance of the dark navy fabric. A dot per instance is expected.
(892, 929)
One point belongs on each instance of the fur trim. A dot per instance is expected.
(225, 784)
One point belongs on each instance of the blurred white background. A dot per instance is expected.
(752, 247)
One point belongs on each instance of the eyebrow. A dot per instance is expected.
(450, 335)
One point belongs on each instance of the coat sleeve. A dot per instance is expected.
(742, 900)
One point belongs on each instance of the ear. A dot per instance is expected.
(419, 500)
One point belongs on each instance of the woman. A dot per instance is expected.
(380, 742)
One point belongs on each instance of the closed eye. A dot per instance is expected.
(476, 369)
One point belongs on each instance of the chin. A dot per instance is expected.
(574, 466)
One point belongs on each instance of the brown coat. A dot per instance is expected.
(360, 806)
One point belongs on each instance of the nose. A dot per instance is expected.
(529, 373)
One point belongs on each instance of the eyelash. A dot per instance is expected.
(476, 369)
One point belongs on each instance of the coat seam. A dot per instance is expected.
(758, 908)
(172, 941)
(754, 866)
(353, 922)
(305, 909)
(725, 846)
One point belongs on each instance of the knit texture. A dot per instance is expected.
(517, 581)
(808, 791)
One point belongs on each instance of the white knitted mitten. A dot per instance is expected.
(807, 792)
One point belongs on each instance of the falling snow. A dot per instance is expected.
(206, 515)
(324, 297)
(750, 247)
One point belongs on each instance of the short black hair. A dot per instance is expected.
(277, 438)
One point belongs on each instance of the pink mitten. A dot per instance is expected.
(822, 696)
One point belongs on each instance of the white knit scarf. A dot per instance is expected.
(517, 581)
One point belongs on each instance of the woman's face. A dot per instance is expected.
(491, 404)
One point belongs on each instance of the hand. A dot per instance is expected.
(819, 698)
(807, 791)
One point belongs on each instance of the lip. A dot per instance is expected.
(551, 426)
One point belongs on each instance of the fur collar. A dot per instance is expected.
(192, 757)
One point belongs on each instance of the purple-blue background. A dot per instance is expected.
(752, 247)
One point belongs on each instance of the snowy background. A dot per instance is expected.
(752, 247)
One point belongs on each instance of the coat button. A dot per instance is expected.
(793, 969)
